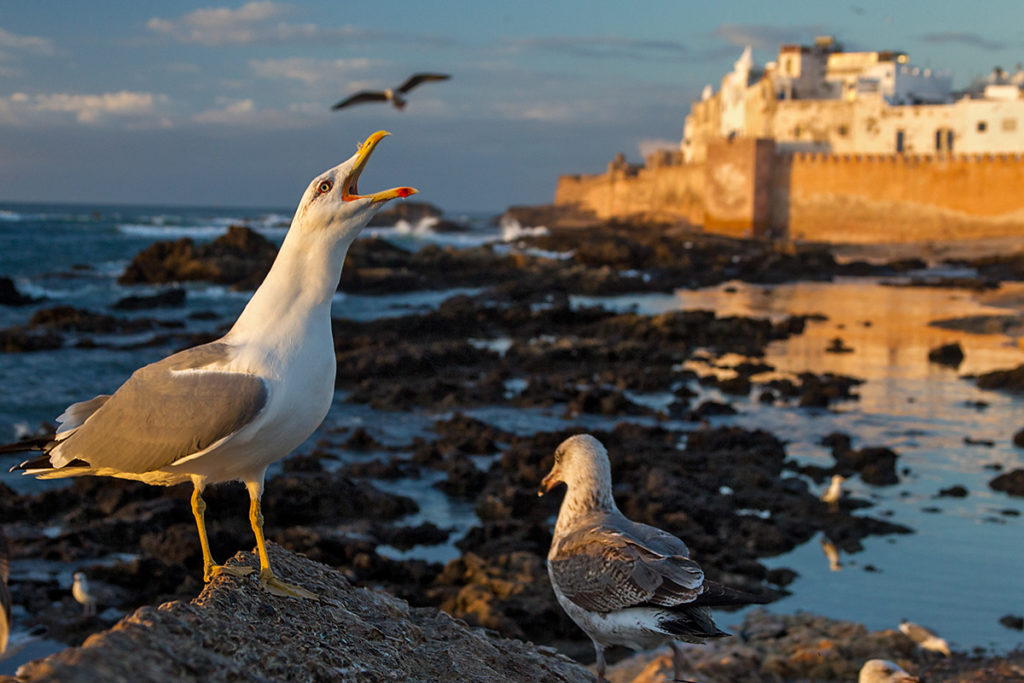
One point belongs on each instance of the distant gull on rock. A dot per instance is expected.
(226, 410)
(394, 96)
(884, 671)
(622, 582)
(80, 591)
(925, 638)
(834, 491)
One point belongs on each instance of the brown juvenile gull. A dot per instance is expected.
(622, 582)
(226, 410)
(926, 638)
(394, 96)
(884, 671)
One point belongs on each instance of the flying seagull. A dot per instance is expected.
(925, 638)
(226, 410)
(622, 582)
(884, 671)
(395, 97)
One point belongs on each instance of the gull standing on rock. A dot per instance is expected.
(834, 492)
(884, 671)
(81, 593)
(622, 582)
(226, 410)
(926, 638)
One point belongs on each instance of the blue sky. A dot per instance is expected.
(228, 104)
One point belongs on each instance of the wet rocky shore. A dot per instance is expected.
(515, 341)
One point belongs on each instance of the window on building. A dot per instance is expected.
(1009, 124)
(982, 126)
(900, 135)
(944, 140)
(842, 130)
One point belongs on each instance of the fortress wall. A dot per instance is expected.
(662, 193)
(897, 198)
(745, 187)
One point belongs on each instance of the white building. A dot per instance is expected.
(820, 98)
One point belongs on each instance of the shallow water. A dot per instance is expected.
(958, 573)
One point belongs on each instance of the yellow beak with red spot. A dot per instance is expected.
(350, 192)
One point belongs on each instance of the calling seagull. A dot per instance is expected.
(226, 410)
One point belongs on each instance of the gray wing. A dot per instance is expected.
(602, 568)
(654, 538)
(416, 79)
(162, 414)
(360, 97)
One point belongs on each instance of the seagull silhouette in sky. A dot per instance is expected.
(395, 96)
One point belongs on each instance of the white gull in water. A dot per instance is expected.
(926, 638)
(226, 410)
(622, 582)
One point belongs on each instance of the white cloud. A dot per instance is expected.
(253, 22)
(31, 44)
(219, 25)
(244, 114)
(88, 109)
(308, 71)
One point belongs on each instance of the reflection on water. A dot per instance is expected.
(960, 572)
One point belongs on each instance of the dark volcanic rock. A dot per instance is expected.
(1011, 482)
(876, 465)
(236, 631)
(169, 298)
(1006, 380)
(955, 491)
(1012, 621)
(948, 354)
(240, 258)
(408, 210)
(10, 296)
(1018, 438)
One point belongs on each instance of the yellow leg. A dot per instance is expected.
(210, 569)
(269, 582)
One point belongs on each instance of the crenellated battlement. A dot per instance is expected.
(748, 186)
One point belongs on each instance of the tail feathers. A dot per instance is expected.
(39, 443)
(718, 595)
(692, 624)
(44, 469)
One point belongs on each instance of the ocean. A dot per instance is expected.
(958, 573)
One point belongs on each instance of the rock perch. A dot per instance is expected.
(235, 631)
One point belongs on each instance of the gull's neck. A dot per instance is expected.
(590, 490)
(297, 291)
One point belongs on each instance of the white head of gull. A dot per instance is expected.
(623, 582)
(884, 671)
(226, 410)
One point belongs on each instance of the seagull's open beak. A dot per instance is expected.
(350, 192)
(549, 482)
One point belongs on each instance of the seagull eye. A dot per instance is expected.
(324, 187)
